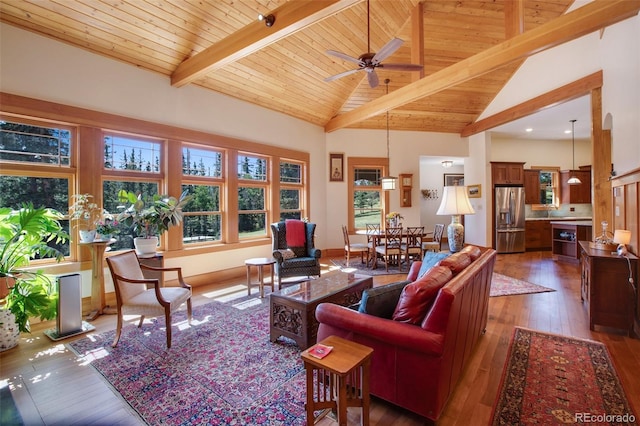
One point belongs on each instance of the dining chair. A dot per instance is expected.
(373, 240)
(353, 248)
(391, 250)
(136, 295)
(412, 244)
(436, 243)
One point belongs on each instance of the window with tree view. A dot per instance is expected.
(201, 173)
(127, 162)
(29, 146)
(290, 190)
(367, 198)
(252, 212)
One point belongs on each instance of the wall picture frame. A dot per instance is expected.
(474, 191)
(336, 167)
(453, 179)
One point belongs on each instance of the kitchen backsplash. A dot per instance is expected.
(580, 210)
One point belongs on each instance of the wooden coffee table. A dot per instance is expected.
(292, 309)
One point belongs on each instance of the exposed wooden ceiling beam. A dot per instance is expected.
(513, 18)
(570, 91)
(573, 25)
(290, 17)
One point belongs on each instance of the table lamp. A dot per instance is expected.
(622, 237)
(456, 203)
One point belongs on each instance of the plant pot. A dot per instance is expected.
(145, 246)
(9, 332)
(104, 237)
(87, 236)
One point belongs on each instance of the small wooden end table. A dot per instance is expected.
(341, 380)
(260, 263)
(98, 304)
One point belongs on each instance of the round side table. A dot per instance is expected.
(260, 263)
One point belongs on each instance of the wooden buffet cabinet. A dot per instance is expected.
(605, 288)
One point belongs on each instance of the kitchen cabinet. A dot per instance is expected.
(532, 186)
(605, 287)
(565, 236)
(507, 173)
(576, 194)
(537, 235)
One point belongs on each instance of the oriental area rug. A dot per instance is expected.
(220, 370)
(550, 379)
(502, 285)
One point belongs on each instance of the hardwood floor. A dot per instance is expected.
(51, 387)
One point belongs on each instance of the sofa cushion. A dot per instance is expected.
(416, 298)
(381, 301)
(456, 262)
(430, 260)
(474, 252)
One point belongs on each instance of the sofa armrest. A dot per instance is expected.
(407, 336)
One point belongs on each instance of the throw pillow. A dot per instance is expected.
(381, 301)
(456, 262)
(418, 297)
(287, 253)
(474, 252)
(429, 261)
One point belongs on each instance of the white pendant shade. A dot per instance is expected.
(455, 201)
(574, 181)
(389, 183)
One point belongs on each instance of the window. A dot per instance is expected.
(32, 147)
(367, 199)
(290, 190)
(201, 173)
(127, 160)
(549, 191)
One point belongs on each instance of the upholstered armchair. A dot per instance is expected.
(295, 254)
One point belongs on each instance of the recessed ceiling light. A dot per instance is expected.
(528, 130)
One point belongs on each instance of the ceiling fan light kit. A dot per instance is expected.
(369, 61)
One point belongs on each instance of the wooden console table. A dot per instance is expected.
(605, 287)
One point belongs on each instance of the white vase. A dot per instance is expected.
(87, 236)
(9, 331)
(145, 246)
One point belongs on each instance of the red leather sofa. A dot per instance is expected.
(416, 365)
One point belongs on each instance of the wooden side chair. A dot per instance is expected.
(353, 248)
(373, 240)
(391, 251)
(413, 243)
(436, 243)
(134, 298)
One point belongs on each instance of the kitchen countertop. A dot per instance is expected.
(572, 222)
(559, 218)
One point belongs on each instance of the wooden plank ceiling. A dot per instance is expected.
(286, 74)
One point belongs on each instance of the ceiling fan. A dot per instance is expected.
(370, 61)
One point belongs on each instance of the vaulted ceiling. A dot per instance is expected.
(220, 45)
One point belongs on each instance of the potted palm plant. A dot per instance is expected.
(150, 218)
(24, 235)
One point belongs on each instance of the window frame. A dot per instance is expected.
(555, 180)
(354, 163)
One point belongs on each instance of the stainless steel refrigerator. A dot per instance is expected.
(509, 203)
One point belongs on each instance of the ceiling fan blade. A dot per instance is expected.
(387, 50)
(345, 57)
(402, 67)
(373, 78)
(342, 74)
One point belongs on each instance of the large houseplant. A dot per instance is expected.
(24, 235)
(150, 218)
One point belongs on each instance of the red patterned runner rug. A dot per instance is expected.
(550, 379)
(502, 285)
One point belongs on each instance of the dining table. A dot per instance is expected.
(378, 235)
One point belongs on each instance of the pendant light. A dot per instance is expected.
(388, 182)
(573, 180)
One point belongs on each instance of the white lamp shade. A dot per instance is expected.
(622, 236)
(455, 201)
